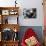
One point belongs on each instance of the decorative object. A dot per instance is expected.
(15, 34)
(13, 12)
(15, 37)
(29, 13)
(5, 12)
(7, 34)
(6, 21)
(9, 15)
(15, 3)
(15, 30)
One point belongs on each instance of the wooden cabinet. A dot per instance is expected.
(9, 23)
(0, 43)
(10, 43)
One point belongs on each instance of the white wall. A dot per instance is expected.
(27, 4)
(32, 4)
(7, 3)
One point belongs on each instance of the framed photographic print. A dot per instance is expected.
(5, 12)
(29, 13)
(13, 12)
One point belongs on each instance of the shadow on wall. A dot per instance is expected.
(37, 29)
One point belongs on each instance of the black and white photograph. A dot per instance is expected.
(30, 13)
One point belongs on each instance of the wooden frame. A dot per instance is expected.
(5, 12)
(8, 11)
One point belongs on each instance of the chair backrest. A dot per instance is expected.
(29, 32)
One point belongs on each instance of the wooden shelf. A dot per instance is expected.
(11, 26)
(9, 43)
(5, 8)
(4, 13)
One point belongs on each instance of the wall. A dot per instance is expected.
(32, 4)
(27, 4)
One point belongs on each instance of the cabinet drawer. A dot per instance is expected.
(10, 44)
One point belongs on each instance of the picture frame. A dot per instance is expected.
(13, 12)
(29, 13)
(5, 12)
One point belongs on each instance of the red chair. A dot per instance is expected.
(29, 33)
